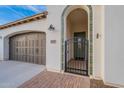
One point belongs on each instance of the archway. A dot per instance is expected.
(66, 13)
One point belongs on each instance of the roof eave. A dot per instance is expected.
(25, 20)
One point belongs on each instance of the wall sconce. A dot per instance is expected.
(51, 28)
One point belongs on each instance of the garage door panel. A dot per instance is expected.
(29, 47)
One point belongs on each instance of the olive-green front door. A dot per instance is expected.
(79, 45)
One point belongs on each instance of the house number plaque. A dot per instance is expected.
(53, 41)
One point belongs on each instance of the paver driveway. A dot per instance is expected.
(13, 74)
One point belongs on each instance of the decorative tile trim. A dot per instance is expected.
(90, 50)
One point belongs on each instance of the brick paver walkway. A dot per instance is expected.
(48, 79)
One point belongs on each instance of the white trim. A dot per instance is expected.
(95, 77)
(53, 70)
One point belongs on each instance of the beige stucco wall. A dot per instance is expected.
(97, 45)
(69, 29)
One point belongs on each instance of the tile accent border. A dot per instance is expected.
(90, 50)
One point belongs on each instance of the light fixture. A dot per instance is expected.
(51, 28)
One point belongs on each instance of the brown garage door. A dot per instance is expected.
(29, 47)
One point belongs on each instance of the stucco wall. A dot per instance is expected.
(1, 49)
(54, 56)
(97, 42)
(114, 46)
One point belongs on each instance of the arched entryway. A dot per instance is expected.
(27, 47)
(77, 39)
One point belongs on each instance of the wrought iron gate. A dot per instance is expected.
(76, 56)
